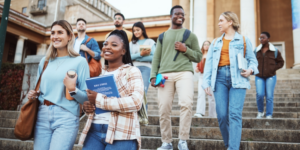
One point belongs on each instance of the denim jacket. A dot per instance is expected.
(213, 57)
(92, 45)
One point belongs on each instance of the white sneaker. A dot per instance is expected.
(198, 115)
(166, 146)
(260, 115)
(182, 145)
(269, 117)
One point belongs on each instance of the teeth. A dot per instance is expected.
(107, 53)
(180, 19)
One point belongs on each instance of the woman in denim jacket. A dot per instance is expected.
(228, 83)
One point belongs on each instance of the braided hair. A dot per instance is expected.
(124, 39)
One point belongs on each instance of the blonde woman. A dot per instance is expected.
(227, 81)
(58, 117)
(201, 101)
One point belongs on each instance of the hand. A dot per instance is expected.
(153, 80)
(197, 70)
(145, 52)
(32, 94)
(88, 107)
(246, 73)
(180, 47)
(92, 95)
(84, 47)
(70, 83)
(207, 91)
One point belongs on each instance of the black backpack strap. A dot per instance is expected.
(186, 35)
(161, 37)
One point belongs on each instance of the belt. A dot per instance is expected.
(48, 103)
(223, 66)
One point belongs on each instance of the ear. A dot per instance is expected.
(123, 51)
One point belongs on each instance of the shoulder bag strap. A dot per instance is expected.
(86, 52)
(245, 46)
(37, 87)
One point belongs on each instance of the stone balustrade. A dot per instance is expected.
(103, 6)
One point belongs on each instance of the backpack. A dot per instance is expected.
(276, 52)
(186, 35)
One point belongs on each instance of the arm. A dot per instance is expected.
(133, 56)
(279, 60)
(131, 103)
(251, 58)
(148, 58)
(208, 67)
(194, 53)
(95, 48)
(156, 60)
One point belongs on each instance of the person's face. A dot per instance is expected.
(81, 26)
(137, 31)
(263, 39)
(113, 49)
(224, 25)
(59, 37)
(118, 21)
(206, 46)
(177, 16)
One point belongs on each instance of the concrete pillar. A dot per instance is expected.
(41, 49)
(248, 20)
(186, 7)
(296, 32)
(200, 20)
(19, 49)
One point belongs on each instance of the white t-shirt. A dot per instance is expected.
(104, 117)
(77, 45)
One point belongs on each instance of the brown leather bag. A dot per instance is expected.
(24, 129)
(94, 65)
(202, 65)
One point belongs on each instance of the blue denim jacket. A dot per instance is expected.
(92, 45)
(236, 46)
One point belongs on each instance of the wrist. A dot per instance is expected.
(72, 89)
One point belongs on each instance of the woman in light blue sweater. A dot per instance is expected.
(141, 50)
(58, 116)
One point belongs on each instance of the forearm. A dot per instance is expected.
(91, 53)
(145, 58)
(80, 96)
(135, 56)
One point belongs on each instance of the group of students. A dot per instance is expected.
(58, 117)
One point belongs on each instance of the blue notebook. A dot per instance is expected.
(104, 84)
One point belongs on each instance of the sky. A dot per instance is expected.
(142, 8)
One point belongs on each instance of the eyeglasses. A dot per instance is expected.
(177, 14)
(118, 18)
(262, 38)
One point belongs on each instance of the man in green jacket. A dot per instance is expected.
(180, 77)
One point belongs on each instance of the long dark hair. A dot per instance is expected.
(140, 25)
(123, 36)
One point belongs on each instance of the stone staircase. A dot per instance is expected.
(280, 133)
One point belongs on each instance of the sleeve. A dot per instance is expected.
(251, 58)
(148, 58)
(208, 67)
(95, 48)
(133, 56)
(82, 74)
(156, 60)
(193, 53)
(279, 60)
(131, 103)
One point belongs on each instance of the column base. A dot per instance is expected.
(296, 66)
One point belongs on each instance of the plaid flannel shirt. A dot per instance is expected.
(124, 122)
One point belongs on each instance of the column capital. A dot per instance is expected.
(23, 37)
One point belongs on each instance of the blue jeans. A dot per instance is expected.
(95, 140)
(146, 76)
(56, 128)
(265, 87)
(229, 107)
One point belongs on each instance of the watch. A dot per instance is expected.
(72, 93)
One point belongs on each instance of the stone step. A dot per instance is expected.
(245, 114)
(9, 114)
(211, 144)
(214, 133)
(7, 123)
(250, 104)
(154, 96)
(251, 91)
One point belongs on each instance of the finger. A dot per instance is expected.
(88, 91)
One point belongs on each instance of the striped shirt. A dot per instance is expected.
(124, 122)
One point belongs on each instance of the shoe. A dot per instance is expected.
(260, 115)
(198, 115)
(182, 145)
(166, 146)
(269, 117)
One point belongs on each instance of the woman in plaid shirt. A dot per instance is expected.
(119, 128)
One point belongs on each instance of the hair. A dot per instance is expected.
(52, 51)
(120, 15)
(176, 6)
(140, 25)
(123, 37)
(230, 16)
(202, 48)
(80, 19)
(267, 34)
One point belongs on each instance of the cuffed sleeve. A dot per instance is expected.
(82, 74)
(208, 68)
(251, 58)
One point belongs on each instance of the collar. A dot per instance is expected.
(271, 47)
(237, 36)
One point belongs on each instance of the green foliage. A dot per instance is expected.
(11, 77)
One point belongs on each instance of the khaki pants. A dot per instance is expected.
(182, 82)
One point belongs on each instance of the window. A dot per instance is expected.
(24, 10)
(42, 4)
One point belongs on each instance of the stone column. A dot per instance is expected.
(41, 49)
(296, 32)
(186, 7)
(248, 20)
(19, 49)
(200, 20)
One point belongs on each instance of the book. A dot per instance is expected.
(242, 62)
(105, 85)
(145, 48)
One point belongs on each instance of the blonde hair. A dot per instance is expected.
(52, 51)
(230, 16)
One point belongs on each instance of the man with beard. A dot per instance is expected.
(118, 22)
(85, 44)
(173, 57)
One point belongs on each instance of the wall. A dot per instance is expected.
(77, 11)
(276, 18)
(17, 4)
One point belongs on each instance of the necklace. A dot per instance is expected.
(59, 63)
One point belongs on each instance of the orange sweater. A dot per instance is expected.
(224, 58)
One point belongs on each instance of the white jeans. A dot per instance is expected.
(201, 102)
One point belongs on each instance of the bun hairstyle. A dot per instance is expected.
(230, 16)
(124, 39)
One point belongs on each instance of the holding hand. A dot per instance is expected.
(153, 80)
(145, 52)
(197, 70)
(32, 94)
(83, 47)
(70, 83)
(88, 107)
(246, 73)
(207, 91)
(92, 95)
(181, 47)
